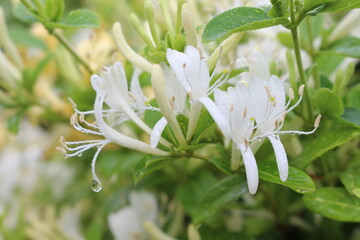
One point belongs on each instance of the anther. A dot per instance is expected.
(201, 53)
(317, 121)
(184, 65)
(231, 107)
(81, 118)
(61, 150)
(132, 96)
(62, 142)
(73, 119)
(245, 112)
(301, 90)
(291, 94)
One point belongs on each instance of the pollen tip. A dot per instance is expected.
(62, 141)
(73, 119)
(61, 150)
(301, 90)
(317, 121)
(291, 94)
(81, 117)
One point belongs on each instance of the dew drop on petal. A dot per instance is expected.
(96, 185)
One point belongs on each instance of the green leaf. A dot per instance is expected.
(328, 102)
(334, 203)
(329, 5)
(352, 115)
(227, 190)
(351, 180)
(13, 122)
(32, 75)
(238, 20)
(81, 18)
(222, 164)
(349, 46)
(149, 164)
(341, 5)
(325, 82)
(297, 180)
(353, 97)
(23, 14)
(285, 39)
(205, 123)
(279, 8)
(325, 141)
(190, 193)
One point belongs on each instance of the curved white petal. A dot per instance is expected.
(217, 115)
(157, 131)
(252, 175)
(125, 224)
(178, 61)
(97, 83)
(281, 157)
(135, 87)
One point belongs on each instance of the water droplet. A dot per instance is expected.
(96, 185)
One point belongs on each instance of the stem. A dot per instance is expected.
(65, 43)
(296, 44)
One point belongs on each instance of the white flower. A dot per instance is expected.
(127, 223)
(192, 71)
(270, 108)
(232, 113)
(112, 89)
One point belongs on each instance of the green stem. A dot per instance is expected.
(296, 44)
(65, 43)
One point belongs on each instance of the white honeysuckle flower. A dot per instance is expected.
(232, 113)
(192, 71)
(110, 88)
(127, 223)
(270, 108)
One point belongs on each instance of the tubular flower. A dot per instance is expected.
(111, 88)
(235, 119)
(192, 71)
(270, 108)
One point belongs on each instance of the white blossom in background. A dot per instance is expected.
(127, 223)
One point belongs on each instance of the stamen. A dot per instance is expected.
(245, 112)
(81, 118)
(61, 150)
(201, 54)
(132, 96)
(73, 119)
(317, 121)
(301, 90)
(291, 94)
(231, 107)
(72, 102)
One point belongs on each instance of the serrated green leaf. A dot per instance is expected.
(328, 102)
(81, 18)
(238, 20)
(227, 190)
(334, 203)
(149, 164)
(297, 180)
(325, 141)
(351, 180)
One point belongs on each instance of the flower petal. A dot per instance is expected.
(157, 131)
(281, 157)
(251, 169)
(217, 115)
